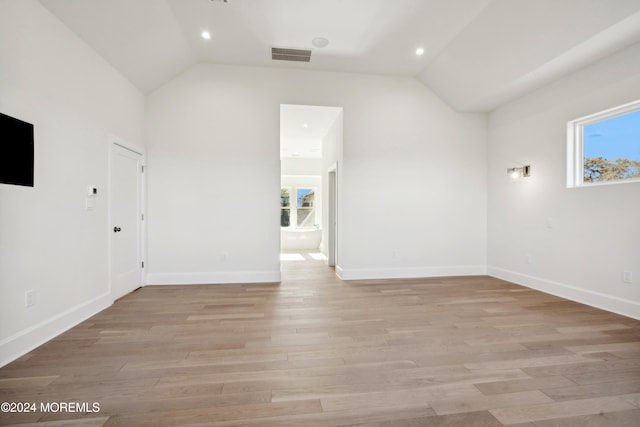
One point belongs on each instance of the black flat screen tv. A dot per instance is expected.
(16, 151)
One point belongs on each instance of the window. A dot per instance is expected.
(604, 148)
(285, 208)
(305, 207)
(303, 213)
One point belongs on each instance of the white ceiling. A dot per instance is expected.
(302, 129)
(478, 53)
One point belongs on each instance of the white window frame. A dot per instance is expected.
(293, 203)
(575, 145)
(290, 207)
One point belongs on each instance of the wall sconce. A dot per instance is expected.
(516, 173)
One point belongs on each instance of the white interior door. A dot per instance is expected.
(126, 220)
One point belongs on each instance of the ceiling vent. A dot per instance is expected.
(297, 55)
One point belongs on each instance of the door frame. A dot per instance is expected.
(114, 142)
(332, 232)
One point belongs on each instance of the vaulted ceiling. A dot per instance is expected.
(478, 54)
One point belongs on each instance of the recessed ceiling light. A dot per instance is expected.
(420, 51)
(320, 42)
(305, 125)
(205, 35)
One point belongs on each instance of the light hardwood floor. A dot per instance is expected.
(317, 351)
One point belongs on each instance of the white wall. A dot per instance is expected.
(414, 184)
(412, 180)
(48, 242)
(594, 232)
(297, 166)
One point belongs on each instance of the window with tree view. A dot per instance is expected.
(605, 147)
(285, 208)
(305, 207)
(302, 213)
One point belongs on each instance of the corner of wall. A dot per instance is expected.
(30, 338)
(600, 300)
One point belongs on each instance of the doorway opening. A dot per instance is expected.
(310, 152)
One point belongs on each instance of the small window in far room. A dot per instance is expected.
(297, 207)
(285, 208)
(604, 148)
(305, 207)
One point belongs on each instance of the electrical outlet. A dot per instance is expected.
(394, 254)
(627, 277)
(528, 259)
(29, 298)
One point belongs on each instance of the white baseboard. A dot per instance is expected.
(606, 302)
(28, 339)
(410, 272)
(21, 343)
(213, 278)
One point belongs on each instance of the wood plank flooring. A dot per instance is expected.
(317, 351)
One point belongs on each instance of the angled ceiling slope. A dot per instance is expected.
(478, 53)
(515, 46)
(139, 38)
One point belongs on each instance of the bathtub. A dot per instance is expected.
(300, 238)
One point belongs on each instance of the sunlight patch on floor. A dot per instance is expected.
(291, 257)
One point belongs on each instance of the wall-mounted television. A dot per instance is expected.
(16, 151)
